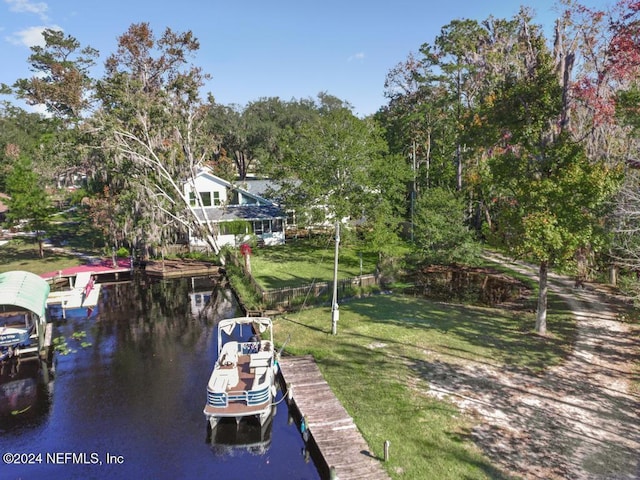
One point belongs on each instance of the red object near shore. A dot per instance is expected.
(245, 249)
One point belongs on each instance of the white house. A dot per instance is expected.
(226, 204)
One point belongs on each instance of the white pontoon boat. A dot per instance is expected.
(242, 383)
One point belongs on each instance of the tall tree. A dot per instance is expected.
(550, 195)
(337, 167)
(457, 49)
(226, 124)
(153, 119)
(28, 135)
(602, 101)
(63, 82)
(418, 123)
(435, 116)
(249, 136)
(625, 220)
(28, 201)
(597, 55)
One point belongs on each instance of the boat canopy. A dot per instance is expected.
(26, 290)
(261, 324)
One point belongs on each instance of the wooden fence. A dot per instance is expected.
(289, 296)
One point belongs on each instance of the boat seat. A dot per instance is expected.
(223, 378)
(220, 384)
(259, 377)
(229, 354)
(260, 359)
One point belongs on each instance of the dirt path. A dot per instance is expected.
(577, 421)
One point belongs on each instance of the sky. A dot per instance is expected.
(291, 49)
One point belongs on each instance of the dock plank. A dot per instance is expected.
(339, 441)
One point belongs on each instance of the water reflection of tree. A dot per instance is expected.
(157, 314)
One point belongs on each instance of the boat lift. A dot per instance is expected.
(84, 293)
(24, 331)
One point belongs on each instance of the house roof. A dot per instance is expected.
(26, 290)
(259, 187)
(206, 172)
(241, 212)
(267, 188)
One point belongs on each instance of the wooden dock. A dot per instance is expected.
(342, 452)
(181, 268)
(101, 273)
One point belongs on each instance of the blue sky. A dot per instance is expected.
(254, 49)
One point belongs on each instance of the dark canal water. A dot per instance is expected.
(129, 405)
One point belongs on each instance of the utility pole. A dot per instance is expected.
(413, 186)
(335, 314)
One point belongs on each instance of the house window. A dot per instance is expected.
(276, 225)
(216, 198)
(205, 198)
(262, 226)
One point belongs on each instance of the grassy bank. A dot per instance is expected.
(302, 262)
(375, 366)
(23, 255)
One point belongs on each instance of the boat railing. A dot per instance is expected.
(249, 397)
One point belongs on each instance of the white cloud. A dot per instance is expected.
(357, 56)
(25, 6)
(30, 37)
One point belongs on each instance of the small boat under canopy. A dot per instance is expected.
(23, 319)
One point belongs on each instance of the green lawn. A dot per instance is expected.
(69, 229)
(375, 364)
(302, 262)
(23, 255)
